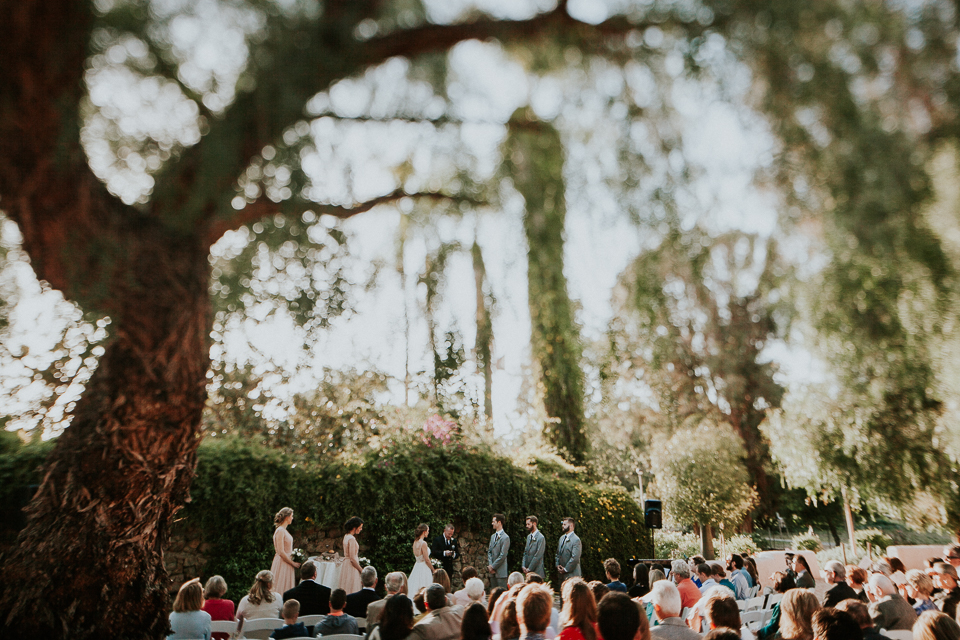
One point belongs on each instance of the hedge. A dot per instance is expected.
(240, 485)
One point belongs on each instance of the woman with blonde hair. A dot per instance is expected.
(578, 618)
(187, 620)
(935, 625)
(796, 613)
(283, 567)
(919, 586)
(216, 605)
(262, 601)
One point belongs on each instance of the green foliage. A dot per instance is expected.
(701, 476)
(878, 540)
(239, 486)
(533, 158)
(673, 544)
(806, 541)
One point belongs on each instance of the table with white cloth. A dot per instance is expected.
(328, 571)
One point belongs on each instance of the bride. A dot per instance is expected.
(422, 574)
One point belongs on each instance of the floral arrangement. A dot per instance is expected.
(437, 430)
(436, 563)
(364, 562)
(299, 555)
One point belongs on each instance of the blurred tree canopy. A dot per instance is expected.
(171, 166)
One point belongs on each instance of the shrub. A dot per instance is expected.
(877, 539)
(674, 544)
(806, 541)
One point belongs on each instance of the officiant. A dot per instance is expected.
(446, 549)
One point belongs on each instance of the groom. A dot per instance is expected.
(446, 549)
(497, 553)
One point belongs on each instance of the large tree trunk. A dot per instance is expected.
(484, 340)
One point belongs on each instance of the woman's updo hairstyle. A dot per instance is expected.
(282, 515)
(261, 589)
(352, 524)
(419, 531)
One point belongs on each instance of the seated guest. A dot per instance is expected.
(722, 634)
(796, 613)
(722, 612)
(782, 582)
(735, 566)
(945, 578)
(357, 601)
(919, 586)
(836, 575)
(394, 583)
(887, 607)
(612, 568)
(856, 578)
(314, 598)
(475, 625)
(460, 597)
(187, 620)
(419, 605)
(291, 628)
(695, 562)
(475, 591)
(533, 611)
(861, 614)
(441, 578)
(705, 576)
(396, 620)
(578, 618)
(337, 621)
(750, 566)
(441, 622)
(803, 578)
(689, 594)
(641, 581)
(262, 601)
(831, 624)
(667, 607)
(716, 571)
(898, 572)
(495, 594)
(514, 578)
(507, 617)
(934, 625)
(216, 605)
(697, 618)
(533, 577)
(619, 618)
(599, 589)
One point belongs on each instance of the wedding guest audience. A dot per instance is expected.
(358, 600)
(533, 611)
(216, 605)
(667, 605)
(738, 579)
(337, 621)
(476, 593)
(696, 618)
(314, 598)
(695, 562)
(689, 594)
(442, 578)
(533, 577)
(441, 622)
(641, 581)
(419, 605)
(612, 568)
(951, 554)
(945, 579)
(831, 624)
(393, 583)
(578, 619)
(782, 582)
(735, 562)
(187, 620)
(396, 622)
(495, 594)
(919, 587)
(856, 579)
(475, 625)
(619, 618)
(599, 589)
(460, 597)
(291, 628)
(655, 576)
(929, 562)
(935, 625)
(507, 620)
(898, 572)
(716, 571)
(887, 607)
(721, 611)
(514, 578)
(796, 610)
(261, 601)
(722, 634)
(750, 565)
(803, 578)
(706, 578)
(861, 614)
(836, 574)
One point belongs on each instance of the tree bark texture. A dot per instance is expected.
(484, 340)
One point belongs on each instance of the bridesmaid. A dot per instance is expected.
(350, 570)
(284, 576)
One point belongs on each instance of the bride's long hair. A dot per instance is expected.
(421, 529)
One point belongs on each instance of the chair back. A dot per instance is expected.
(260, 628)
(361, 624)
(311, 620)
(223, 626)
(752, 618)
(897, 635)
(754, 603)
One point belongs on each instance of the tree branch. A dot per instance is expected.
(263, 207)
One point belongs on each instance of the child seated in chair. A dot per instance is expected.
(291, 628)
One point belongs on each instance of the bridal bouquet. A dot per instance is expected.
(436, 563)
(364, 562)
(299, 555)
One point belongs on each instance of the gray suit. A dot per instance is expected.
(892, 613)
(674, 629)
(533, 554)
(442, 624)
(568, 555)
(497, 558)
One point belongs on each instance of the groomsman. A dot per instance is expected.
(568, 551)
(533, 552)
(446, 549)
(497, 553)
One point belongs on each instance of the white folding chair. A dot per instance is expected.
(752, 619)
(754, 591)
(343, 636)
(361, 623)
(742, 605)
(897, 635)
(773, 599)
(311, 620)
(754, 603)
(260, 628)
(223, 626)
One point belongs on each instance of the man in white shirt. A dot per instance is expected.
(706, 579)
(568, 551)
(736, 577)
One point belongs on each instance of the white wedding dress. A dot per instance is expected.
(422, 574)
